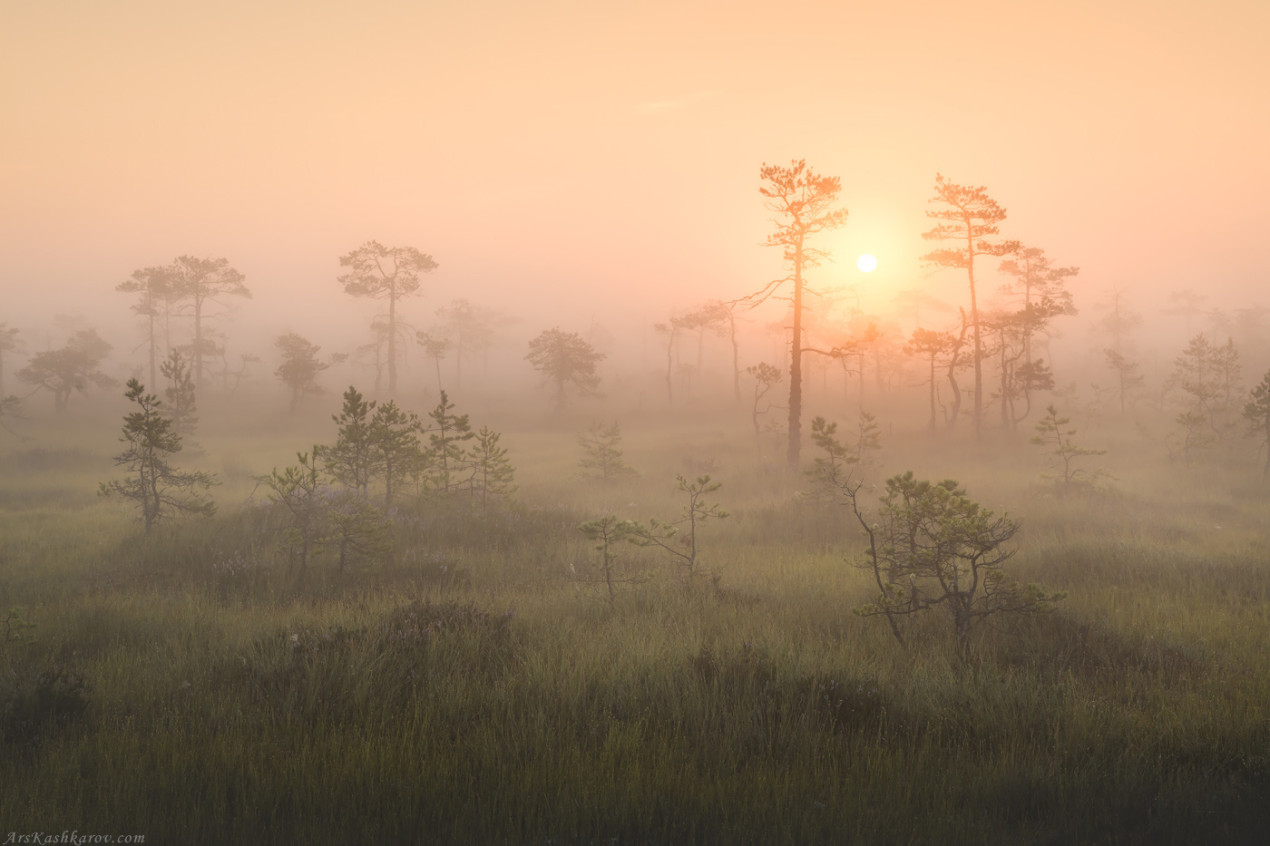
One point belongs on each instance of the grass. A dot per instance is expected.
(470, 690)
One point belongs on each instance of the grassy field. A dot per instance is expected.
(476, 687)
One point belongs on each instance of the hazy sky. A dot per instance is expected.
(591, 157)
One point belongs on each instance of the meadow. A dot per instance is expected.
(476, 685)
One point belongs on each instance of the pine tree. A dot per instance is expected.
(602, 458)
(395, 448)
(180, 393)
(1257, 413)
(492, 474)
(352, 460)
(158, 489)
(1052, 432)
(298, 489)
(446, 436)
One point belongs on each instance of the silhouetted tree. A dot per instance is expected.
(155, 486)
(435, 348)
(804, 203)
(602, 453)
(72, 368)
(1128, 379)
(470, 330)
(1208, 376)
(566, 359)
(1257, 413)
(8, 344)
(387, 273)
(719, 317)
(300, 366)
(967, 215)
(1053, 433)
(156, 294)
(203, 281)
(180, 393)
(670, 331)
(765, 377)
(931, 345)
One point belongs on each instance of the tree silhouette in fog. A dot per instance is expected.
(389, 273)
(72, 368)
(565, 358)
(804, 203)
(202, 282)
(967, 216)
(300, 366)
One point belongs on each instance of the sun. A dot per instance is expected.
(867, 263)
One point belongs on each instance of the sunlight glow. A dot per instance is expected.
(867, 263)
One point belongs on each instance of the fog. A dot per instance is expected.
(571, 161)
(381, 647)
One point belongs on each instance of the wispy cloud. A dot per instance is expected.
(676, 104)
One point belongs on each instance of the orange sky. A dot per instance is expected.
(572, 158)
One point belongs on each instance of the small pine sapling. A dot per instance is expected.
(158, 489)
(868, 441)
(609, 532)
(359, 530)
(679, 537)
(395, 448)
(602, 453)
(491, 473)
(444, 456)
(833, 473)
(1257, 413)
(1052, 433)
(298, 489)
(351, 461)
(933, 547)
(180, 393)
(766, 377)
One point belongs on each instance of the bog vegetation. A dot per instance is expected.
(987, 601)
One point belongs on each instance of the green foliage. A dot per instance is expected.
(492, 475)
(679, 537)
(352, 461)
(181, 399)
(394, 445)
(298, 489)
(765, 376)
(360, 532)
(445, 455)
(602, 453)
(1053, 434)
(932, 546)
(609, 532)
(157, 489)
(833, 473)
(1257, 413)
(1208, 376)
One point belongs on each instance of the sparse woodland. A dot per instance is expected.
(390, 594)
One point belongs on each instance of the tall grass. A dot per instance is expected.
(470, 688)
